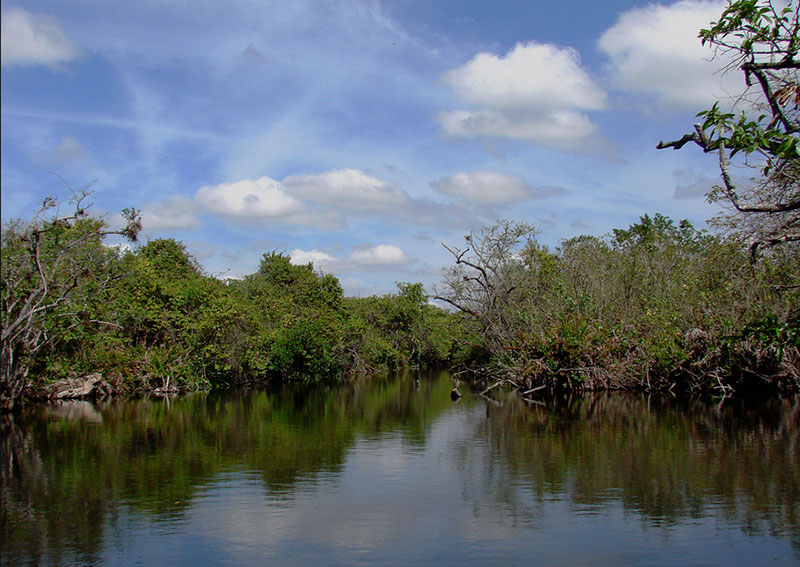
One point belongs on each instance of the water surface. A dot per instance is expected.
(389, 471)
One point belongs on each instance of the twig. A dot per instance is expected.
(536, 389)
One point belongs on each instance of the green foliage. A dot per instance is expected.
(399, 330)
(54, 269)
(304, 351)
(651, 306)
(760, 131)
(763, 39)
(149, 318)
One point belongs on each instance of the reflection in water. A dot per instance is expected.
(390, 471)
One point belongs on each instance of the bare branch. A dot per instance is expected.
(461, 308)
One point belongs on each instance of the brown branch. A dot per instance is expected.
(536, 389)
(787, 62)
(466, 310)
(678, 144)
(772, 241)
(733, 197)
(699, 137)
(777, 111)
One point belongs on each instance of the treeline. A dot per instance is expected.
(656, 306)
(149, 318)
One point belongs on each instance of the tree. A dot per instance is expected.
(763, 127)
(52, 268)
(486, 282)
(298, 314)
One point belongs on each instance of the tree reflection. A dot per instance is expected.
(68, 471)
(667, 460)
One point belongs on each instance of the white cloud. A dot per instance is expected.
(532, 75)
(33, 39)
(533, 93)
(263, 198)
(490, 187)
(656, 51)
(318, 258)
(379, 256)
(382, 256)
(557, 128)
(324, 201)
(348, 189)
(174, 213)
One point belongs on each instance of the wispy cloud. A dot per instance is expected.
(491, 187)
(67, 151)
(33, 39)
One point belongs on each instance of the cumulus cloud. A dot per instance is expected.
(491, 187)
(655, 51)
(530, 75)
(33, 39)
(535, 92)
(348, 189)
(263, 198)
(381, 256)
(561, 128)
(325, 201)
(318, 258)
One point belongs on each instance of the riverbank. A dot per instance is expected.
(659, 306)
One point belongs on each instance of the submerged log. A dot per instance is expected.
(75, 388)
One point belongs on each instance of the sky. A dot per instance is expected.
(357, 135)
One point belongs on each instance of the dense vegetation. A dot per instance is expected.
(658, 305)
(148, 318)
(655, 306)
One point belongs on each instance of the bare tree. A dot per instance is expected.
(486, 280)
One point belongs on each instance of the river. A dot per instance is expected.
(388, 470)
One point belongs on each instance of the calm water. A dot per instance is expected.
(389, 471)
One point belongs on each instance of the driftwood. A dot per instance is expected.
(536, 389)
(75, 388)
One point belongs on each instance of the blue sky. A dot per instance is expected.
(359, 135)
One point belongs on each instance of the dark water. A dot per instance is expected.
(389, 471)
